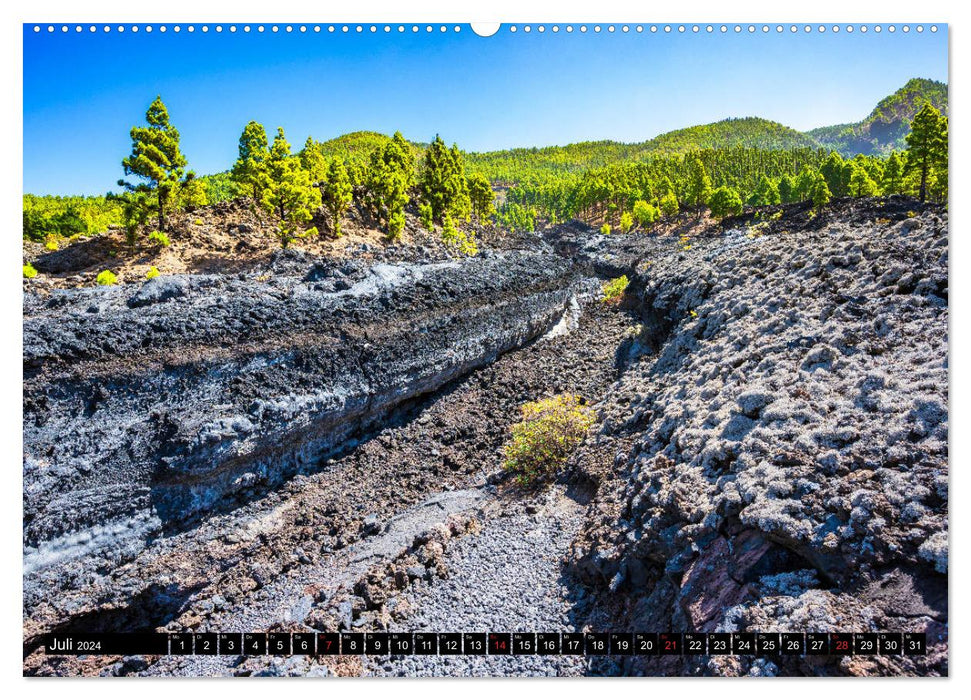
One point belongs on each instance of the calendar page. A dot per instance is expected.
(524, 349)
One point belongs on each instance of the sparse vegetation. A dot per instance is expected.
(30, 272)
(159, 238)
(464, 242)
(550, 430)
(152, 273)
(106, 278)
(613, 290)
(425, 216)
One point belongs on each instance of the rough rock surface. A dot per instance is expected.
(251, 567)
(781, 463)
(771, 448)
(146, 408)
(508, 576)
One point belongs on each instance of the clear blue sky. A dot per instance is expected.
(83, 92)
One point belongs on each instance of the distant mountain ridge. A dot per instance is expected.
(748, 132)
(887, 126)
(882, 131)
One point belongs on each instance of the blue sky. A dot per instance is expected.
(84, 91)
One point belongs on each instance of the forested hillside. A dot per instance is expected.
(888, 124)
(723, 166)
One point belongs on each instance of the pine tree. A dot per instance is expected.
(669, 204)
(442, 181)
(313, 161)
(819, 192)
(645, 214)
(336, 193)
(404, 157)
(893, 175)
(724, 202)
(389, 178)
(192, 193)
(802, 189)
(861, 184)
(836, 179)
(156, 158)
(250, 170)
(786, 187)
(290, 194)
(699, 183)
(481, 196)
(926, 146)
(766, 193)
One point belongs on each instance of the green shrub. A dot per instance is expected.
(550, 430)
(645, 214)
(152, 273)
(51, 242)
(106, 278)
(668, 204)
(425, 214)
(614, 289)
(605, 229)
(197, 222)
(626, 222)
(459, 239)
(30, 272)
(724, 202)
(312, 231)
(160, 238)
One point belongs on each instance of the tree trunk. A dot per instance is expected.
(923, 180)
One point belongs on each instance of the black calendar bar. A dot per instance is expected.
(761, 644)
(106, 644)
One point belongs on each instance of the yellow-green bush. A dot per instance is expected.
(160, 238)
(152, 273)
(550, 430)
(106, 278)
(30, 271)
(614, 289)
(605, 229)
(452, 236)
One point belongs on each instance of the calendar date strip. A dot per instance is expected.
(491, 643)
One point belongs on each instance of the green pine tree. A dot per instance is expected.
(724, 201)
(668, 204)
(861, 184)
(156, 158)
(192, 193)
(805, 181)
(836, 179)
(442, 181)
(481, 196)
(893, 175)
(766, 193)
(290, 195)
(699, 183)
(313, 161)
(819, 192)
(250, 169)
(927, 146)
(389, 177)
(336, 193)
